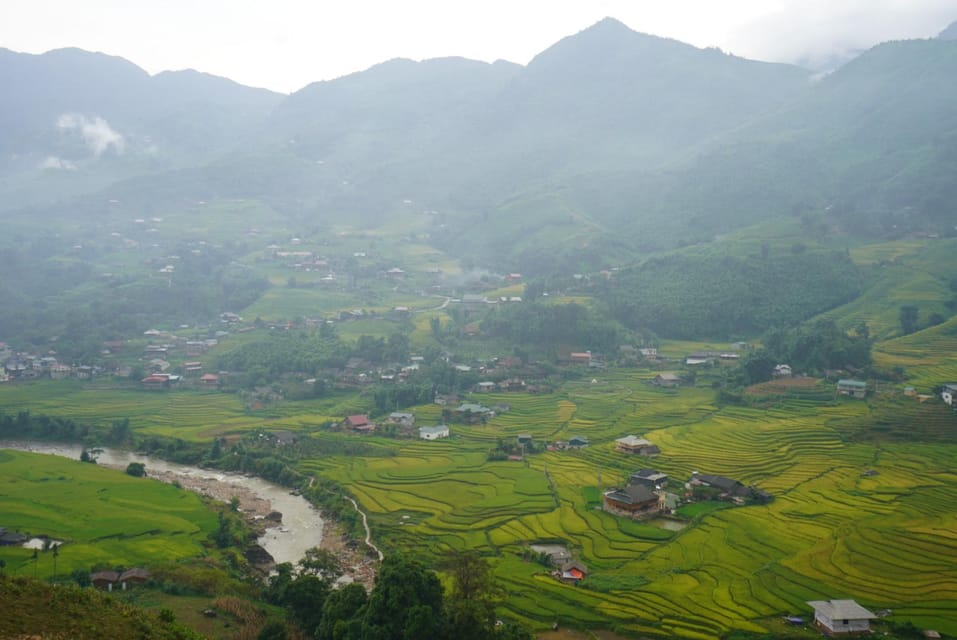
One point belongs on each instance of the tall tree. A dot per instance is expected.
(909, 316)
(406, 603)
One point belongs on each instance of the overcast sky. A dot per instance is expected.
(286, 44)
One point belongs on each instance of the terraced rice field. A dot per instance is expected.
(887, 539)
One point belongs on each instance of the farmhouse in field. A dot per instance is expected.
(402, 419)
(359, 423)
(635, 445)
(434, 433)
(948, 393)
(710, 486)
(841, 616)
(666, 380)
(577, 442)
(209, 380)
(106, 580)
(156, 382)
(572, 573)
(782, 371)
(853, 388)
(650, 478)
(633, 499)
(472, 413)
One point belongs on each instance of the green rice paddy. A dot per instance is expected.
(102, 516)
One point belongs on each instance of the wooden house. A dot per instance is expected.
(841, 616)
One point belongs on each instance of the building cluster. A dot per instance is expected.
(29, 366)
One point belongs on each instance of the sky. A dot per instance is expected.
(284, 45)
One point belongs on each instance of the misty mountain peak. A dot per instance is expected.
(950, 33)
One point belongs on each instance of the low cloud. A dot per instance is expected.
(820, 34)
(97, 133)
(53, 162)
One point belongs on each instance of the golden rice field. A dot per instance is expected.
(887, 540)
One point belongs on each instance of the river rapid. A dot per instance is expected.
(301, 527)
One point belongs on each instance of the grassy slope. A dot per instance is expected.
(101, 515)
(34, 609)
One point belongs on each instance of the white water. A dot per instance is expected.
(301, 526)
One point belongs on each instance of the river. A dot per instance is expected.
(301, 527)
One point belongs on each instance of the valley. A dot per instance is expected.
(654, 341)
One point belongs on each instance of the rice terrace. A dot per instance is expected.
(635, 340)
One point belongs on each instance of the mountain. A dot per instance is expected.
(607, 145)
(73, 121)
(950, 33)
(462, 136)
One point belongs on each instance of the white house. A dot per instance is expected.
(782, 371)
(434, 433)
(948, 393)
(841, 616)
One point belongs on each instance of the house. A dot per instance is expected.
(649, 353)
(948, 393)
(841, 616)
(525, 438)
(12, 539)
(635, 498)
(104, 579)
(402, 419)
(485, 387)
(635, 445)
(650, 478)
(133, 577)
(359, 423)
(155, 382)
(578, 441)
(60, 371)
(472, 413)
(583, 357)
(853, 388)
(192, 367)
(666, 380)
(209, 380)
(512, 384)
(434, 433)
(573, 573)
(727, 488)
(782, 371)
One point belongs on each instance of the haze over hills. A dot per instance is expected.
(609, 138)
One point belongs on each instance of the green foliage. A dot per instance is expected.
(818, 345)
(687, 295)
(136, 469)
(553, 326)
(909, 318)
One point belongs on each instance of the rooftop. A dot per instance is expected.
(841, 610)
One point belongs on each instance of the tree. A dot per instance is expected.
(340, 611)
(908, 316)
(321, 563)
(406, 602)
(274, 630)
(120, 431)
(136, 469)
(56, 554)
(471, 604)
(304, 597)
(757, 366)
